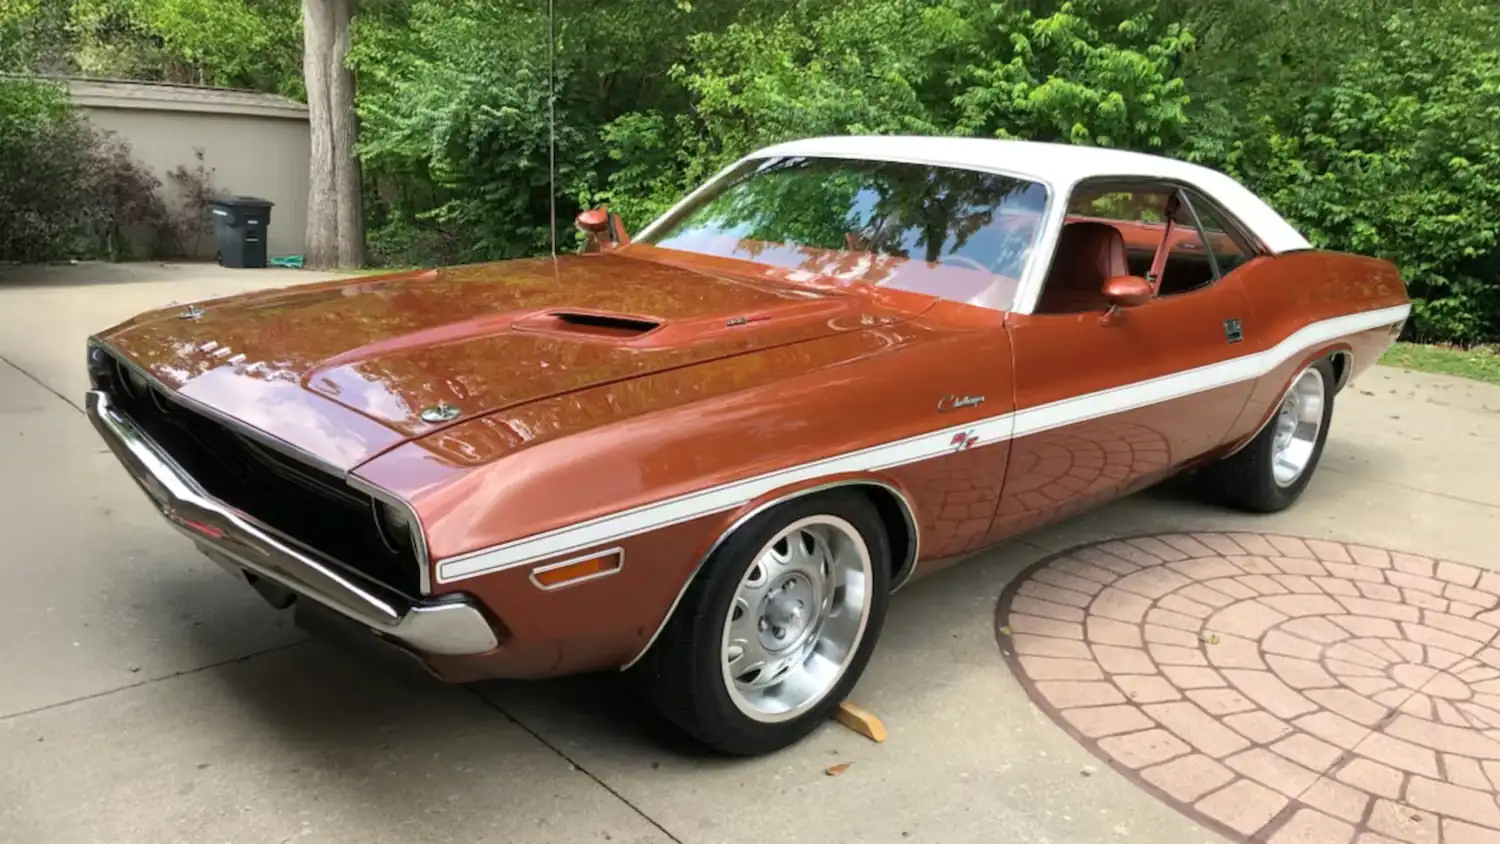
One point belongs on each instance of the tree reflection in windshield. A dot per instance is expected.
(908, 226)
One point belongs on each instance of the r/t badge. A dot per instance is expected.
(963, 440)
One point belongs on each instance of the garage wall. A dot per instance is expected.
(252, 144)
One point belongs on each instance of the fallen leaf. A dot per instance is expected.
(1211, 638)
(1005, 631)
(838, 769)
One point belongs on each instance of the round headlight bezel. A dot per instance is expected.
(397, 527)
(132, 382)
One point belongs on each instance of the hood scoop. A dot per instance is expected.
(580, 323)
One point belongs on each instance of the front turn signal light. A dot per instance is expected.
(578, 570)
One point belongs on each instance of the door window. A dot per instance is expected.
(1228, 247)
(1112, 229)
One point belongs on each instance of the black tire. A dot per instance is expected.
(1246, 479)
(682, 676)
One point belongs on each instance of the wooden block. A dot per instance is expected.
(859, 720)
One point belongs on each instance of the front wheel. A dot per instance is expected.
(1269, 474)
(777, 627)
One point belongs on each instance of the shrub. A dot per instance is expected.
(68, 191)
(190, 222)
(399, 241)
(43, 149)
(119, 203)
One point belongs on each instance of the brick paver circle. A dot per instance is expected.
(1275, 688)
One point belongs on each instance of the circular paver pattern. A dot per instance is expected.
(1275, 688)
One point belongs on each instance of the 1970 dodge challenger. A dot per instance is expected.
(708, 454)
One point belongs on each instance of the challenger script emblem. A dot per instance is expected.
(441, 412)
(952, 402)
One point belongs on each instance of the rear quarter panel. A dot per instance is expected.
(1298, 290)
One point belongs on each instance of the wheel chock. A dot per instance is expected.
(860, 720)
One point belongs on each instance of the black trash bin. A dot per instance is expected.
(240, 224)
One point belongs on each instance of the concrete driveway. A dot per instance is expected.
(145, 696)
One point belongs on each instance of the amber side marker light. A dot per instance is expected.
(579, 569)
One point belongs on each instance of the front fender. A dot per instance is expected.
(586, 473)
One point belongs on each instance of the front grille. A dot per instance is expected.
(312, 506)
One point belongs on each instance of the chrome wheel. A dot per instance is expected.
(797, 618)
(1298, 422)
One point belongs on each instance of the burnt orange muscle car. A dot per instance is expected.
(708, 454)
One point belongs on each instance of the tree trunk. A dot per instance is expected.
(322, 194)
(351, 223)
(335, 221)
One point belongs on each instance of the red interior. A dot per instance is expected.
(1138, 242)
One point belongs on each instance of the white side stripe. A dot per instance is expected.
(1202, 379)
(617, 526)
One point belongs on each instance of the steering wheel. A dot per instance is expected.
(967, 260)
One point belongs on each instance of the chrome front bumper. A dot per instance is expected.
(451, 625)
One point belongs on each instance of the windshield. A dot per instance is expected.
(958, 234)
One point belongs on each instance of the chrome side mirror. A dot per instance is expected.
(604, 229)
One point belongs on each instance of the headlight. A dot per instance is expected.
(138, 385)
(396, 517)
(397, 528)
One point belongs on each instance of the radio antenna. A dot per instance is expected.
(552, 122)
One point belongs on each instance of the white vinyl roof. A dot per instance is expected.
(1059, 166)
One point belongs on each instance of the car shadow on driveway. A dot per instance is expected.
(379, 746)
(601, 707)
(604, 702)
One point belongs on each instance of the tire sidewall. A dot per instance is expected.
(728, 566)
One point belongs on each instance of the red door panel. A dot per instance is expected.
(1103, 409)
(954, 496)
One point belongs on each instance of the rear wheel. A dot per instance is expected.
(777, 627)
(1270, 473)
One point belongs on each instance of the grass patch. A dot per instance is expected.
(1481, 363)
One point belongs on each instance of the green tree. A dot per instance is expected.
(1370, 123)
(960, 67)
(1375, 127)
(1067, 78)
(252, 44)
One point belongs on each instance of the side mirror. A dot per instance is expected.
(1127, 291)
(604, 229)
(1124, 291)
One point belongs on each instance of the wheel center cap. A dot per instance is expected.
(782, 611)
(787, 613)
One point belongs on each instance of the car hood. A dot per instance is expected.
(347, 369)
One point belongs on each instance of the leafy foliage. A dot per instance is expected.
(1392, 149)
(955, 67)
(454, 118)
(1065, 78)
(1374, 125)
(37, 134)
(253, 44)
(454, 101)
(68, 191)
